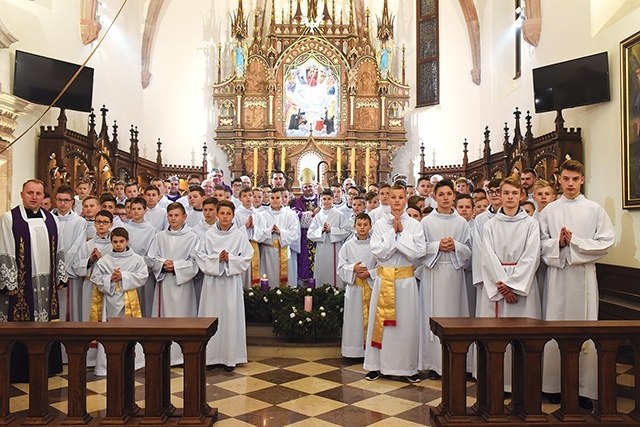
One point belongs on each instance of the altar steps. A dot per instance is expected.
(262, 342)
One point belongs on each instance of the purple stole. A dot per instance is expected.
(21, 305)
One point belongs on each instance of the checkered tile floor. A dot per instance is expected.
(300, 392)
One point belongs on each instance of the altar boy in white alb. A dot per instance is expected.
(575, 233)
(282, 230)
(392, 334)
(329, 228)
(174, 266)
(357, 268)
(117, 276)
(223, 255)
(247, 218)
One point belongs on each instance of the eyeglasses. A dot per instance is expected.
(64, 200)
(102, 222)
(493, 192)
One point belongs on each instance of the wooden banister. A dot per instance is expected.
(528, 337)
(118, 336)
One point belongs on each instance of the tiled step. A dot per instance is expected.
(262, 342)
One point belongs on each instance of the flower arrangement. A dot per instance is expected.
(284, 307)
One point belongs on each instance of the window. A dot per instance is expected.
(428, 64)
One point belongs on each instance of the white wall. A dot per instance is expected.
(51, 28)
(465, 109)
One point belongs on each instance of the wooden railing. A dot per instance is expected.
(528, 337)
(118, 336)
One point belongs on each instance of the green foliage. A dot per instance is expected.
(285, 308)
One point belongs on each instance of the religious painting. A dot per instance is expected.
(312, 96)
(630, 69)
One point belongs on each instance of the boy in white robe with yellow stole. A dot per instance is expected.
(282, 229)
(443, 289)
(253, 223)
(117, 276)
(357, 268)
(329, 229)
(172, 254)
(575, 233)
(392, 333)
(223, 255)
(511, 255)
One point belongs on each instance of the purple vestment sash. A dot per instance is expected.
(21, 305)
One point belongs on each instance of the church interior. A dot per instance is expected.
(361, 89)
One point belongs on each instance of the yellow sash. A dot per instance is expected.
(386, 308)
(131, 304)
(255, 264)
(284, 261)
(366, 298)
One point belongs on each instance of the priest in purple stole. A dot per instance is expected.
(306, 207)
(31, 269)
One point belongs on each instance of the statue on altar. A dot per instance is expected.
(239, 54)
(384, 60)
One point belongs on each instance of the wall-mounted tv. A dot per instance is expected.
(39, 79)
(573, 83)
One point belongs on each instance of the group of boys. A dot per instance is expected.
(402, 253)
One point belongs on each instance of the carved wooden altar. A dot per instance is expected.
(263, 126)
(65, 157)
(544, 153)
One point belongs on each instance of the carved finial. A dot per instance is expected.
(115, 130)
(404, 65)
(239, 23)
(298, 16)
(528, 136)
(219, 62)
(517, 133)
(487, 142)
(131, 132)
(159, 151)
(465, 157)
(333, 11)
(385, 24)
(506, 135)
(326, 16)
(92, 120)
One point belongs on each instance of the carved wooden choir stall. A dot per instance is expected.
(66, 156)
(544, 154)
(310, 89)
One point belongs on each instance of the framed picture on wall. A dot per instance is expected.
(630, 99)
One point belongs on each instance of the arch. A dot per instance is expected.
(325, 48)
(148, 36)
(473, 28)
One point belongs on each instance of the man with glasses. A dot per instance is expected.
(236, 186)
(31, 270)
(217, 175)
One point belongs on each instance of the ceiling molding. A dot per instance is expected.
(6, 38)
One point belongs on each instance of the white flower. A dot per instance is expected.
(278, 292)
(336, 292)
(308, 320)
(292, 315)
(295, 310)
(309, 290)
(250, 294)
(323, 314)
(299, 322)
(265, 299)
(341, 309)
(321, 308)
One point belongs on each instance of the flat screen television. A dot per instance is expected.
(39, 79)
(582, 81)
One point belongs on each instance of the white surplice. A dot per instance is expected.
(443, 290)
(222, 295)
(257, 233)
(571, 288)
(511, 254)
(157, 216)
(328, 245)
(81, 269)
(352, 252)
(399, 352)
(134, 275)
(287, 222)
(175, 294)
(73, 228)
(141, 236)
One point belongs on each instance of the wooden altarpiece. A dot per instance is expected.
(66, 156)
(265, 120)
(544, 154)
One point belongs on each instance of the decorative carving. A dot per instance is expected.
(89, 25)
(320, 80)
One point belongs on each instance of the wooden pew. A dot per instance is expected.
(118, 336)
(528, 337)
